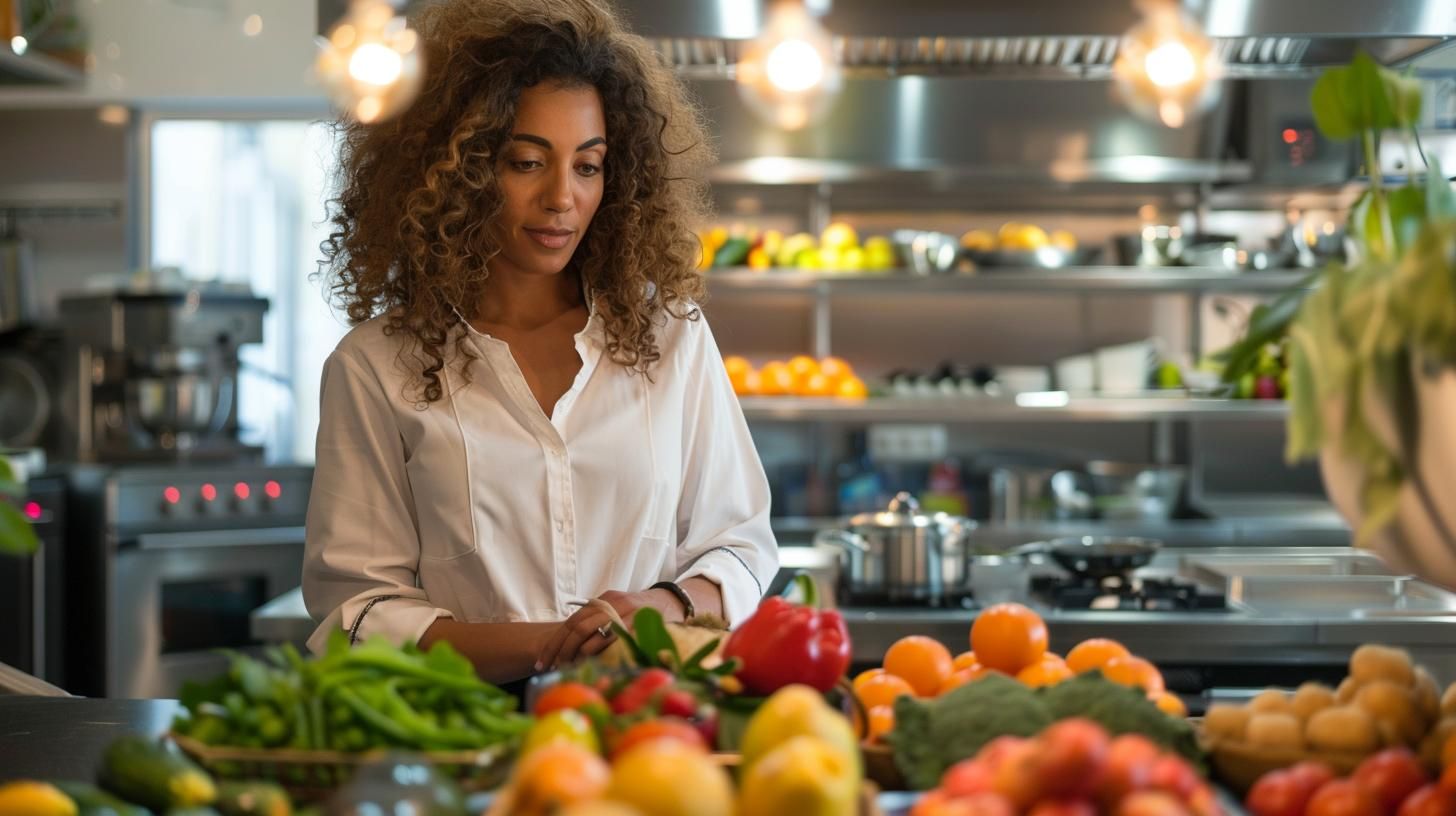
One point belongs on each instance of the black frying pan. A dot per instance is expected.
(1097, 556)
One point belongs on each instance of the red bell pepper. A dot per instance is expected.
(783, 643)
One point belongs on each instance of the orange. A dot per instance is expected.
(556, 775)
(775, 379)
(817, 385)
(882, 689)
(1054, 659)
(964, 660)
(960, 677)
(921, 661)
(1171, 704)
(1045, 673)
(1136, 672)
(851, 387)
(802, 367)
(1008, 637)
(864, 676)
(882, 722)
(835, 369)
(1094, 653)
(736, 365)
(749, 385)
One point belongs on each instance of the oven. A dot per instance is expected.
(179, 557)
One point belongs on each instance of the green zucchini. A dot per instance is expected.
(93, 801)
(253, 799)
(734, 252)
(150, 773)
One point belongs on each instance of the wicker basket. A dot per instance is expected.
(1239, 765)
(315, 775)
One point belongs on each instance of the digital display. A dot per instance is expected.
(1299, 143)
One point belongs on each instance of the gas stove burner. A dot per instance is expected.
(1123, 593)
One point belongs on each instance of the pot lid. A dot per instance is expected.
(903, 511)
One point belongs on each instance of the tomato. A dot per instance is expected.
(1430, 800)
(679, 703)
(1311, 775)
(967, 778)
(1018, 776)
(993, 752)
(1072, 758)
(575, 696)
(1129, 768)
(641, 691)
(1391, 775)
(1448, 780)
(665, 728)
(1204, 802)
(939, 803)
(1278, 793)
(1343, 797)
(1172, 774)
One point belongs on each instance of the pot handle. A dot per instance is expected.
(1027, 550)
(843, 539)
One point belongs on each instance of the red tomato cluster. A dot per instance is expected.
(1073, 768)
(1390, 783)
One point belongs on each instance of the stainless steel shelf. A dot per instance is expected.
(1078, 279)
(1050, 406)
(36, 69)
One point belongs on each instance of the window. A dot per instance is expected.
(243, 201)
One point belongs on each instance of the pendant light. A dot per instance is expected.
(788, 74)
(1167, 69)
(371, 62)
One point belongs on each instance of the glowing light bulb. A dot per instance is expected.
(788, 74)
(19, 44)
(375, 64)
(1170, 65)
(371, 62)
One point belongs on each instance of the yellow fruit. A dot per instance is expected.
(751, 385)
(817, 385)
(851, 387)
(831, 258)
(978, 241)
(853, 260)
(759, 259)
(667, 778)
(788, 252)
(1061, 239)
(773, 241)
(802, 366)
(34, 799)
(717, 237)
(835, 369)
(566, 725)
(796, 711)
(1022, 237)
(736, 364)
(838, 235)
(803, 777)
(775, 379)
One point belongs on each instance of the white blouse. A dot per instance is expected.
(479, 507)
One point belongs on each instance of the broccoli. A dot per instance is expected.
(932, 735)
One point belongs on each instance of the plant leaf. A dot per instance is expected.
(1327, 103)
(1404, 92)
(652, 634)
(1367, 95)
(1407, 215)
(16, 535)
(7, 473)
(702, 653)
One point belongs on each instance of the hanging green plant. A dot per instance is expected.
(16, 535)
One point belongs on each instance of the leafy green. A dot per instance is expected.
(16, 535)
(1121, 710)
(931, 735)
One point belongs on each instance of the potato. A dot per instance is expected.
(1428, 695)
(1269, 730)
(1309, 698)
(1448, 701)
(1227, 722)
(1349, 687)
(1435, 742)
(1271, 701)
(1371, 662)
(1343, 728)
(1394, 709)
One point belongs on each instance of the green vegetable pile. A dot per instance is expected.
(373, 695)
(932, 735)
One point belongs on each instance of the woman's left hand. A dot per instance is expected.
(581, 634)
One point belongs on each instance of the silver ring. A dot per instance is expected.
(605, 630)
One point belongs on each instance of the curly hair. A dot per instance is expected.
(410, 235)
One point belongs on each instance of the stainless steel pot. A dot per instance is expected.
(901, 553)
(17, 282)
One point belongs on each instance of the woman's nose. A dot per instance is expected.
(557, 195)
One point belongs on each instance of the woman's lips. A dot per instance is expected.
(551, 239)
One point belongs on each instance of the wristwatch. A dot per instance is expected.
(682, 595)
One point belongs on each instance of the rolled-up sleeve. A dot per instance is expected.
(724, 533)
(363, 548)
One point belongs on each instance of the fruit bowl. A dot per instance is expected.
(1240, 764)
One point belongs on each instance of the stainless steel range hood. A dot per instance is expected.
(1050, 38)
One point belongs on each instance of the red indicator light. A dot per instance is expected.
(32, 511)
(273, 489)
(209, 492)
(241, 490)
(172, 495)
(1290, 135)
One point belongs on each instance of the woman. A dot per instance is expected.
(530, 412)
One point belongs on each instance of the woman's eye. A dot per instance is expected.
(589, 169)
(525, 164)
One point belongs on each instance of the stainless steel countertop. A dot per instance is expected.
(64, 737)
(1265, 633)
